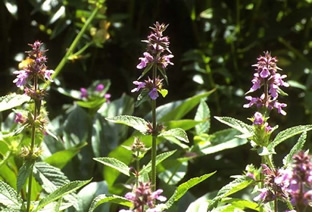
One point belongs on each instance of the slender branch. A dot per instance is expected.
(72, 47)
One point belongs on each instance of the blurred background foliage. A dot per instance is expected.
(214, 44)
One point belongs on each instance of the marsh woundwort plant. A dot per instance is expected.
(32, 71)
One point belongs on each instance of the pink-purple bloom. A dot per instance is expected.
(99, 87)
(34, 66)
(144, 199)
(21, 78)
(153, 94)
(267, 76)
(140, 85)
(19, 118)
(258, 119)
(83, 93)
(157, 52)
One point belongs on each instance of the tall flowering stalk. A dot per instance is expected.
(156, 58)
(268, 78)
(32, 70)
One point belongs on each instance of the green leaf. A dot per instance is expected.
(49, 177)
(103, 198)
(245, 129)
(184, 124)
(61, 158)
(242, 204)
(149, 66)
(88, 193)
(202, 114)
(219, 141)
(296, 148)
(184, 187)
(172, 171)
(60, 192)
(94, 103)
(114, 163)
(131, 121)
(163, 92)
(23, 174)
(12, 100)
(236, 185)
(9, 198)
(70, 93)
(288, 133)
(177, 133)
(164, 74)
(176, 110)
(159, 158)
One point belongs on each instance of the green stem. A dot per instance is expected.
(154, 135)
(72, 47)
(33, 134)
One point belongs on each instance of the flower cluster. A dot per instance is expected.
(158, 52)
(156, 56)
(144, 199)
(33, 68)
(267, 76)
(299, 180)
(293, 183)
(98, 91)
(149, 86)
(273, 185)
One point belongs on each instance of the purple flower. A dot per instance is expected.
(19, 118)
(153, 94)
(156, 195)
(99, 87)
(47, 75)
(140, 85)
(252, 101)
(107, 96)
(21, 78)
(258, 119)
(279, 107)
(130, 196)
(165, 60)
(83, 93)
(145, 60)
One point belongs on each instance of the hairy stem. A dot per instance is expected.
(154, 134)
(33, 134)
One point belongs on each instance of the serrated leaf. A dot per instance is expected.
(288, 133)
(114, 163)
(49, 177)
(236, 185)
(12, 100)
(131, 121)
(242, 204)
(23, 174)
(9, 197)
(202, 114)
(103, 198)
(177, 133)
(219, 141)
(159, 158)
(245, 129)
(184, 187)
(60, 192)
(296, 148)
